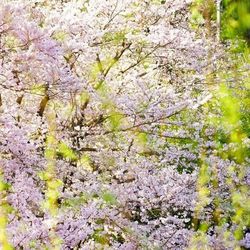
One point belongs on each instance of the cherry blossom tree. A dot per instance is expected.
(104, 135)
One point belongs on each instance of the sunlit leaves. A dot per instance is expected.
(85, 162)
(5, 210)
(66, 152)
(60, 36)
(109, 198)
(115, 38)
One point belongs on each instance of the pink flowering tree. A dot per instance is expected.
(104, 137)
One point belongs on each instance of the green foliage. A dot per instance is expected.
(100, 237)
(5, 210)
(65, 151)
(154, 213)
(236, 19)
(116, 37)
(109, 198)
(202, 11)
(38, 89)
(4, 186)
(142, 138)
(85, 162)
(60, 36)
(115, 120)
(76, 202)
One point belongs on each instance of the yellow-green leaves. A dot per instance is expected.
(109, 198)
(230, 106)
(66, 152)
(60, 35)
(84, 97)
(76, 202)
(5, 209)
(202, 11)
(203, 190)
(85, 162)
(197, 18)
(38, 89)
(241, 203)
(116, 37)
(115, 120)
(142, 138)
(52, 183)
(11, 42)
(52, 195)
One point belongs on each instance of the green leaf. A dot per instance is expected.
(66, 152)
(142, 138)
(109, 198)
(85, 162)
